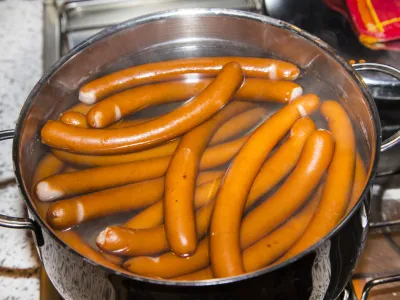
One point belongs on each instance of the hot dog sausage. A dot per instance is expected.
(360, 179)
(132, 242)
(282, 161)
(225, 225)
(154, 215)
(169, 265)
(73, 240)
(81, 108)
(80, 182)
(118, 106)
(338, 185)
(181, 177)
(203, 274)
(239, 124)
(174, 69)
(207, 176)
(166, 127)
(275, 244)
(74, 118)
(314, 161)
(48, 166)
(70, 212)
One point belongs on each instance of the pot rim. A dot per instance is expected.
(178, 13)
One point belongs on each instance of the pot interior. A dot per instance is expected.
(190, 34)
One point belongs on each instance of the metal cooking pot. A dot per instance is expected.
(319, 273)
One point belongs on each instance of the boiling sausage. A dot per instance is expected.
(360, 179)
(74, 118)
(225, 225)
(99, 88)
(275, 244)
(166, 127)
(203, 274)
(181, 177)
(338, 185)
(169, 265)
(282, 161)
(239, 124)
(70, 212)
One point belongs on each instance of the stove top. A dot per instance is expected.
(67, 23)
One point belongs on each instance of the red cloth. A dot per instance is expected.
(376, 22)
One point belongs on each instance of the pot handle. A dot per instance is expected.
(394, 72)
(14, 222)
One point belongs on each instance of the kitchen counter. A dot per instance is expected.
(20, 69)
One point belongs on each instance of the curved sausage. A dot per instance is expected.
(65, 185)
(166, 127)
(282, 161)
(313, 163)
(70, 212)
(169, 265)
(73, 240)
(97, 161)
(181, 177)
(338, 184)
(132, 242)
(275, 244)
(239, 124)
(48, 166)
(74, 118)
(116, 260)
(130, 123)
(95, 179)
(99, 88)
(121, 105)
(360, 179)
(203, 274)
(207, 176)
(225, 224)
(154, 214)
(118, 106)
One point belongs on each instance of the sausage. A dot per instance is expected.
(118, 106)
(164, 128)
(203, 274)
(360, 179)
(168, 264)
(130, 123)
(207, 176)
(116, 260)
(181, 177)
(74, 118)
(72, 239)
(239, 124)
(338, 185)
(121, 105)
(99, 88)
(70, 212)
(65, 185)
(95, 160)
(95, 179)
(282, 161)
(225, 223)
(48, 166)
(314, 161)
(275, 244)
(133, 242)
(154, 214)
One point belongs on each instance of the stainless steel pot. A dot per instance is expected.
(319, 273)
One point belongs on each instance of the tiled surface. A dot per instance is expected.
(20, 69)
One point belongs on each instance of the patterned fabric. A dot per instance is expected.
(376, 22)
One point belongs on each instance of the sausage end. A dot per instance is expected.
(88, 98)
(46, 193)
(296, 92)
